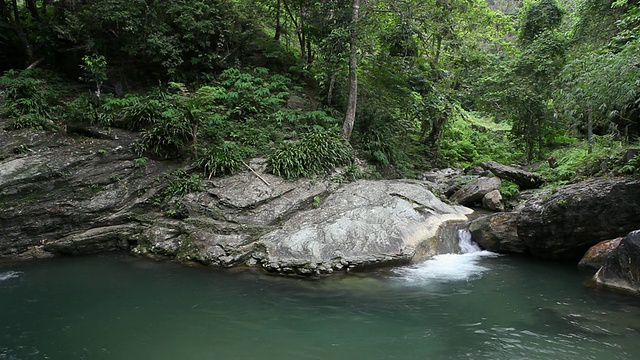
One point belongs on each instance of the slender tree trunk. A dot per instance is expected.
(303, 35)
(299, 28)
(590, 129)
(278, 22)
(15, 21)
(350, 116)
(332, 85)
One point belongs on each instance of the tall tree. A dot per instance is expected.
(350, 115)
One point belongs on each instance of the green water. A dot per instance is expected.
(455, 307)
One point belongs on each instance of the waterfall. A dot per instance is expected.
(465, 243)
(455, 263)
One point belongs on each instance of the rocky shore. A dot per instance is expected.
(88, 192)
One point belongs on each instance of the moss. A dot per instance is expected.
(188, 250)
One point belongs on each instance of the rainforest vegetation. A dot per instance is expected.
(401, 86)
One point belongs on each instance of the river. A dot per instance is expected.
(468, 306)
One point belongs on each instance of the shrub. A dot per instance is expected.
(632, 166)
(508, 189)
(27, 98)
(575, 163)
(317, 151)
(178, 184)
(220, 160)
(167, 137)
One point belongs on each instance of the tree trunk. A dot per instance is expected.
(17, 27)
(590, 130)
(278, 22)
(350, 116)
(33, 9)
(332, 85)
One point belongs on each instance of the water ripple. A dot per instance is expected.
(9, 275)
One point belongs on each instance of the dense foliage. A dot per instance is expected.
(439, 82)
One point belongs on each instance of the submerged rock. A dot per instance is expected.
(621, 270)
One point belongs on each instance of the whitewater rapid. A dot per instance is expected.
(462, 266)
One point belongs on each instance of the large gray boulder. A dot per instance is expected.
(566, 221)
(524, 179)
(621, 270)
(76, 192)
(475, 190)
(563, 223)
(361, 224)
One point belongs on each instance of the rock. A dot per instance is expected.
(497, 233)
(92, 196)
(92, 131)
(476, 170)
(598, 253)
(475, 190)
(621, 270)
(63, 189)
(362, 224)
(493, 201)
(117, 237)
(443, 180)
(566, 221)
(524, 179)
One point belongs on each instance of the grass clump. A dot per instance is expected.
(316, 151)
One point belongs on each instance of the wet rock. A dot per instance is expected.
(621, 270)
(598, 253)
(524, 179)
(474, 191)
(498, 233)
(566, 221)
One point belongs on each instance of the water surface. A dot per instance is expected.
(471, 306)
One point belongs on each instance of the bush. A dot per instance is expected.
(575, 163)
(317, 151)
(167, 137)
(178, 184)
(508, 189)
(220, 160)
(27, 98)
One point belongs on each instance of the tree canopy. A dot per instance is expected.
(403, 75)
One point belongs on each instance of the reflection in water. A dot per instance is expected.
(467, 306)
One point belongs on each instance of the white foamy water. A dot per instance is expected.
(9, 275)
(447, 267)
(450, 267)
(465, 243)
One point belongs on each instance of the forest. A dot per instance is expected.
(401, 86)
